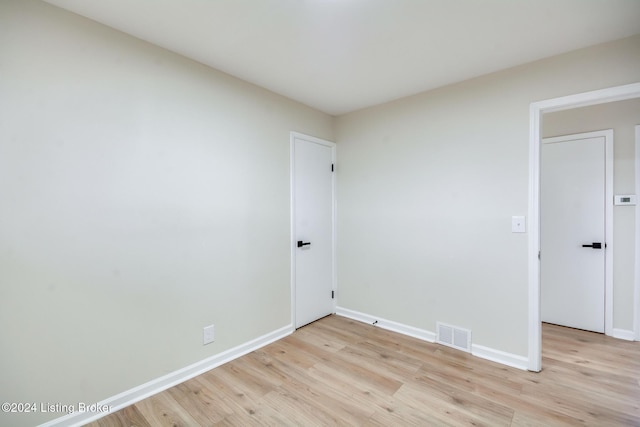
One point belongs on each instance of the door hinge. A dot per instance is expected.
(333, 294)
(538, 254)
(331, 167)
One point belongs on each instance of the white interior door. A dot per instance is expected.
(572, 231)
(313, 228)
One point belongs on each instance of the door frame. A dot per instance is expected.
(636, 309)
(332, 145)
(608, 215)
(536, 109)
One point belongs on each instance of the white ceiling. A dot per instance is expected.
(343, 55)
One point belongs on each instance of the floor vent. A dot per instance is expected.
(455, 337)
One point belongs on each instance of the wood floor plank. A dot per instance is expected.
(586, 405)
(337, 371)
(350, 367)
(127, 417)
(163, 410)
(397, 367)
(528, 419)
(299, 352)
(402, 412)
(359, 392)
(236, 393)
(326, 343)
(305, 387)
(197, 399)
(449, 407)
(479, 406)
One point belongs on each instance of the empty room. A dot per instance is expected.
(319, 212)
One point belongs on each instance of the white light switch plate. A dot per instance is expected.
(518, 224)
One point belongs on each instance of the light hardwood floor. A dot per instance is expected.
(340, 372)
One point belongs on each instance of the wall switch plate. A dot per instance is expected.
(208, 334)
(518, 224)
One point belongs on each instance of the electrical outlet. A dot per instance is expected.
(208, 334)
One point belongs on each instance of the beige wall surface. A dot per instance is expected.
(143, 196)
(427, 186)
(622, 117)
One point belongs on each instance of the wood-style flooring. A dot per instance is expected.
(340, 372)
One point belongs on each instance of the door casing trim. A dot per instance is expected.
(636, 305)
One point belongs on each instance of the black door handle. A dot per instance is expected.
(301, 243)
(594, 245)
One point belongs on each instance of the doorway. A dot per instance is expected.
(312, 228)
(537, 109)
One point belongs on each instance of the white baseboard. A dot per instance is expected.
(136, 394)
(387, 324)
(483, 352)
(499, 356)
(623, 334)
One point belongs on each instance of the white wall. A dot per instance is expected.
(427, 186)
(142, 197)
(621, 117)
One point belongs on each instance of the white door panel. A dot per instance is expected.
(313, 228)
(572, 214)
